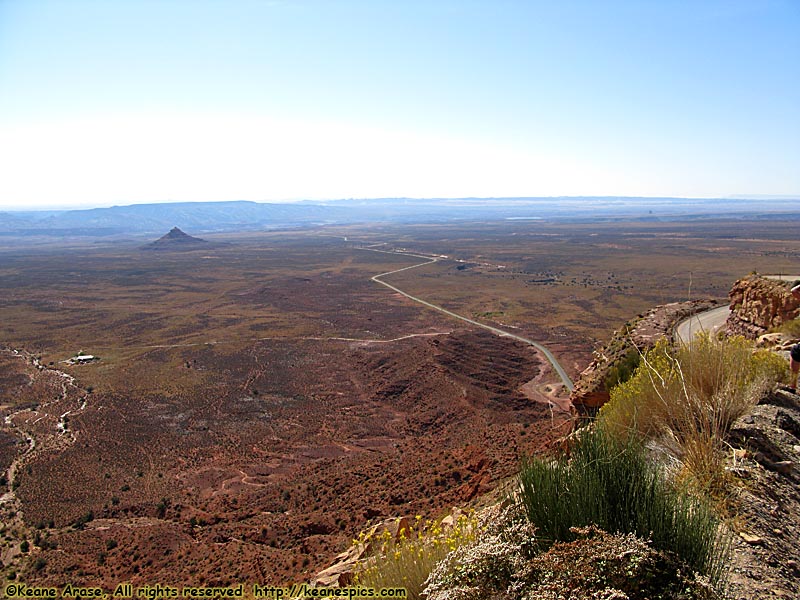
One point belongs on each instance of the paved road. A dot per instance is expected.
(713, 320)
(710, 320)
(428, 260)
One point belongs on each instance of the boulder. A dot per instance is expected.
(340, 573)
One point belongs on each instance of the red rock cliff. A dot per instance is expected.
(759, 304)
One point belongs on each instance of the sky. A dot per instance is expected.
(127, 101)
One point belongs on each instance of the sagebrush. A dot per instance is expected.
(688, 397)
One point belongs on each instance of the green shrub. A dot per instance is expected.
(623, 370)
(610, 482)
(81, 521)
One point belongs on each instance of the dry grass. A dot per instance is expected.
(688, 398)
(791, 328)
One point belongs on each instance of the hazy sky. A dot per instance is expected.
(116, 102)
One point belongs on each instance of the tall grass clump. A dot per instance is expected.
(610, 482)
(688, 397)
(407, 559)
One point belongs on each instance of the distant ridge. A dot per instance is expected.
(177, 240)
(241, 215)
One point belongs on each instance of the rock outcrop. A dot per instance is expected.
(765, 459)
(759, 304)
(591, 389)
(340, 573)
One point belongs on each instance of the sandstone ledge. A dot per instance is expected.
(759, 304)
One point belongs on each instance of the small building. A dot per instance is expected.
(82, 359)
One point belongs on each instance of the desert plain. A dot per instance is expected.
(255, 404)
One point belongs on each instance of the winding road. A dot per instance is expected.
(432, 259)
(711, 321)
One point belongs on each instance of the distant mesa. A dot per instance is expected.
(178, 240)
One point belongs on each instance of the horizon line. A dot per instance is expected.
(94, 206)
